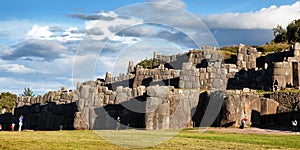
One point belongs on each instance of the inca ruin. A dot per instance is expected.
(176, 93)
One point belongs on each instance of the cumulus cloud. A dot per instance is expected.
(95, 31)
(162, 13)
(55, 33)
(102, 29)
(265, 18)
(15, 68)
(55, 28)
(38, 32)
(44, 49)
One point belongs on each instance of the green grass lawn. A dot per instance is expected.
(184, 140)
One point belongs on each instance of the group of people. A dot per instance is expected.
(12, 125)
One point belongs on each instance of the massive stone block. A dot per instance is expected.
(158, 91)
(268, 106)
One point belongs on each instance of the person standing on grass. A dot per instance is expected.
(20, 122)
(294, 125)
(243, 122)
(12, 126)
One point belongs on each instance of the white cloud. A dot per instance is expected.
(266, 18)
(105, 25)
(163, 14)
(31, 49)
(15, 68)
(45, 32)
(39, 32)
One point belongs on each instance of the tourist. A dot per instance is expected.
(118, 123)
(243, 123)
(275, 85)
(20, 122)
(294, 125)
(12, 126)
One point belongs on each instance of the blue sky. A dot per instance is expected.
(48, 44)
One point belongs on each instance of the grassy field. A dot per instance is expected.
(184, 140)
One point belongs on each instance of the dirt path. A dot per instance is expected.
(250, 131)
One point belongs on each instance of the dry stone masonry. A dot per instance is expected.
(176, 93)
(53, 111)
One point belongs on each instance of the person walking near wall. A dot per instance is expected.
(20, 122)
(294, 126)
(243, 122)
(275, 86)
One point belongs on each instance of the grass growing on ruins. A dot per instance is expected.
(273, 47)
(185, 140)
(290, 91)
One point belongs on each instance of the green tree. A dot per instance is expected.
(293, 31)
(28, 92)
(7, 101)
(280, 34)
(146, 63)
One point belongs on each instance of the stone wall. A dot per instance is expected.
(132, 100)
(51, 111)
(101, 106)
(246, 57)
(288, 101)
(189, 77)
(253, 78)
(169, 108)
(283, 74)
(157, 76)
(112, 82)
(239, 104)
(162, 59)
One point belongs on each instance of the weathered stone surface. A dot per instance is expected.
(158, 91)
(121, 97)
(84, 91)
(269, 106)
(79, 123)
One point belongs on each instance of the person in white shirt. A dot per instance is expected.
(294, 125)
